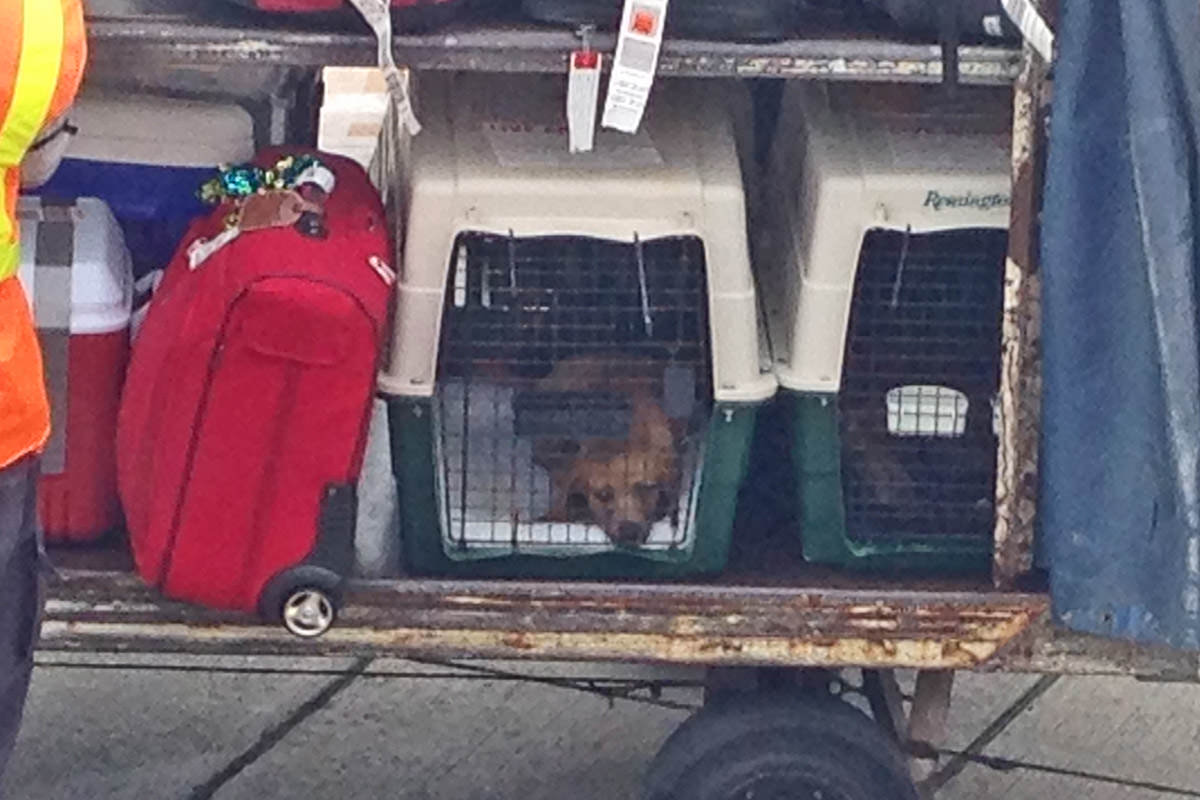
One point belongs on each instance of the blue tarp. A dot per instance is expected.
(1120, 491)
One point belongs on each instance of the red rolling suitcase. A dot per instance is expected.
(244, 415)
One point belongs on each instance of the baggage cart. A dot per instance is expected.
(773, 631)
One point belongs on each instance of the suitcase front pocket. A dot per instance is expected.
(283, 326)
(281, 421)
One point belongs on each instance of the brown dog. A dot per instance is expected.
(623, 485)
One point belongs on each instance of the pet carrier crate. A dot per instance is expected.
(882, 274)
(576, 361)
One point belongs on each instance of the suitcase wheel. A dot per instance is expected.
(304, 599)
(308, 612)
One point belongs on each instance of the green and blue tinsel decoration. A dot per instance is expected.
(242, 180)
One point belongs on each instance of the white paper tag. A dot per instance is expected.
(1032, 25)
(397, 81)
(583, 91)
(378, 15)
(635, 64)
(385, 272)
(202, 249)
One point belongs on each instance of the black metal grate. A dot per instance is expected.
(920, 375)
(573, 392)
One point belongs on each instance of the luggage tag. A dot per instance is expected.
(281, 208)
(277, 209)
(635, 64)
(201, 250)
(378, 15)
(583, 92)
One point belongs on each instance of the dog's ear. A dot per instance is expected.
(577, 478)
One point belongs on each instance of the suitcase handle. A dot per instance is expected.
(312, 225)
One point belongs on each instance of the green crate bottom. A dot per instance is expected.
(816, 464)
(727, 447)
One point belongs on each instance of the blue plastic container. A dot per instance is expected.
(153, 204)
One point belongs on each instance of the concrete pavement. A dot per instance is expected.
(144, 728)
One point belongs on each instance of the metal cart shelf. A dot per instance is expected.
(174, 32)
(819, 620)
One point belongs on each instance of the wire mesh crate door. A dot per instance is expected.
(921, 371)
(573, 393)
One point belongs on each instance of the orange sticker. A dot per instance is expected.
(586, 59)
(644, 22)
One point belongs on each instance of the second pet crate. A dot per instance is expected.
(883, 280)
(575, 367)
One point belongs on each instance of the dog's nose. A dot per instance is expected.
(631, 533)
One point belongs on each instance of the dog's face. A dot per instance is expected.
(625, 484)
(625, 495)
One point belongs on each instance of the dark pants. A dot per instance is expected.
(20, 595)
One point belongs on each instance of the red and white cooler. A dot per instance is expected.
(76, 271)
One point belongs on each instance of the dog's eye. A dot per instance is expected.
(604, 495)
(646, 487)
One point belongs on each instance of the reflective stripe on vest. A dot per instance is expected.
(38, 67)
(10, 254)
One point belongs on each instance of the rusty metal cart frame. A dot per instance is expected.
(820, 621)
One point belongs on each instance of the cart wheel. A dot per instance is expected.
(305, 599)
(308, 612)
(779, 746)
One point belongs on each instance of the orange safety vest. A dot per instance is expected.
(42, 52)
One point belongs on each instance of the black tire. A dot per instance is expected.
(779, 746)
(287, 584)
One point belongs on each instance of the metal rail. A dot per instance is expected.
(686, 624)
(712, 625)
(1020, 394)
(161, 33)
